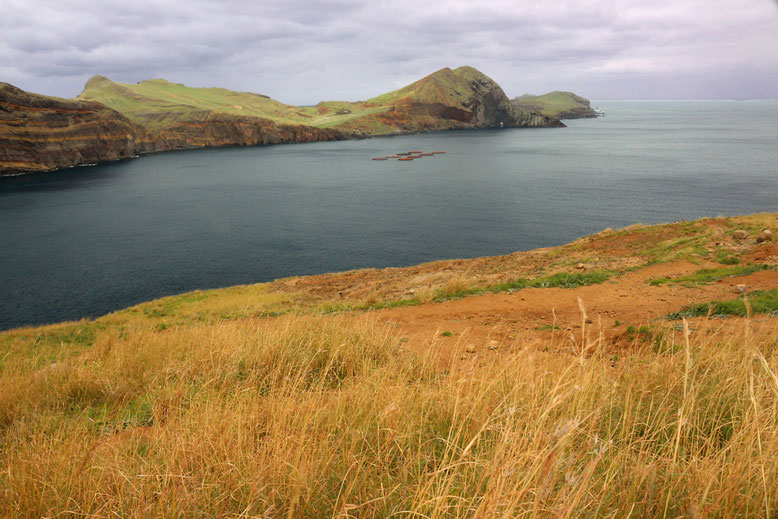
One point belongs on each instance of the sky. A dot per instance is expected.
(303, 52)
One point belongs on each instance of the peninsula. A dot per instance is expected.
(111, 121)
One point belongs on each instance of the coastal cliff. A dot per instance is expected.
(111, 121)
(40, 133)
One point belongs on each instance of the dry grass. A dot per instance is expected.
(322, 416)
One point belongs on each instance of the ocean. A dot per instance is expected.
(85, 241)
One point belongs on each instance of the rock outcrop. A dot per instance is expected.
(40, 133)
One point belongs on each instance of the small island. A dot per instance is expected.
(558, 105)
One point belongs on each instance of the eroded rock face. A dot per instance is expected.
(213, 129)
(39, 133)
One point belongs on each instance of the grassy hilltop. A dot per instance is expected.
(561, 382)
(559, 105)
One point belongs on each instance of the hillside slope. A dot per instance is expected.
(446, 99)
(561, 381)
(558, 105)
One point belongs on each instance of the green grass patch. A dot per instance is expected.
(760, 302)
(547, 328)
(710, 275)
(727, 257)
(50, 345)
(659, 339)
(686, 247)
(167, 306)
(559, 280)
(390, 304)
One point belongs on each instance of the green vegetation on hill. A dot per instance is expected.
(559, 105)
(757, 302)
(444, 99)
(710, 275)
(152, 102)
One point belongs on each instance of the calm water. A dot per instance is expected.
(85, 241)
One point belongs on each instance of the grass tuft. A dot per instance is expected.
(710, 275)
(757, 302)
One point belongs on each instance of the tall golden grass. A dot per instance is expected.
(330, 416)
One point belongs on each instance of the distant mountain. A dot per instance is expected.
(558, 105)
(111, 120)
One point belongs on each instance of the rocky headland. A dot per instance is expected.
(40, 133)
(111, 121)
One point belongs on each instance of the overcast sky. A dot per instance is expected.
(302, 52)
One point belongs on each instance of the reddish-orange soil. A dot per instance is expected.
(537, 317)
(526, 317)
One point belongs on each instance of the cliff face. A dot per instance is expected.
(218, 130)
(39, 133)
(111, 121)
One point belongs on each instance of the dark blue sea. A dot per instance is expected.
(85, 241)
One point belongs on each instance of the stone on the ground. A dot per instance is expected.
(470, 348)
(740, 288)
(740, 234)
(493, 345)
(766, 235)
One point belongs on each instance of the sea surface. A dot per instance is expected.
(89, 240)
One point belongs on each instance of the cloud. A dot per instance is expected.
(302, 51)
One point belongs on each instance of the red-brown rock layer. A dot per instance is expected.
(39, 133)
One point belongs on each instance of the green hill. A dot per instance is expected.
(157, 115)
(461, 98)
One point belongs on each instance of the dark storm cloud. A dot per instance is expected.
(303, 51)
